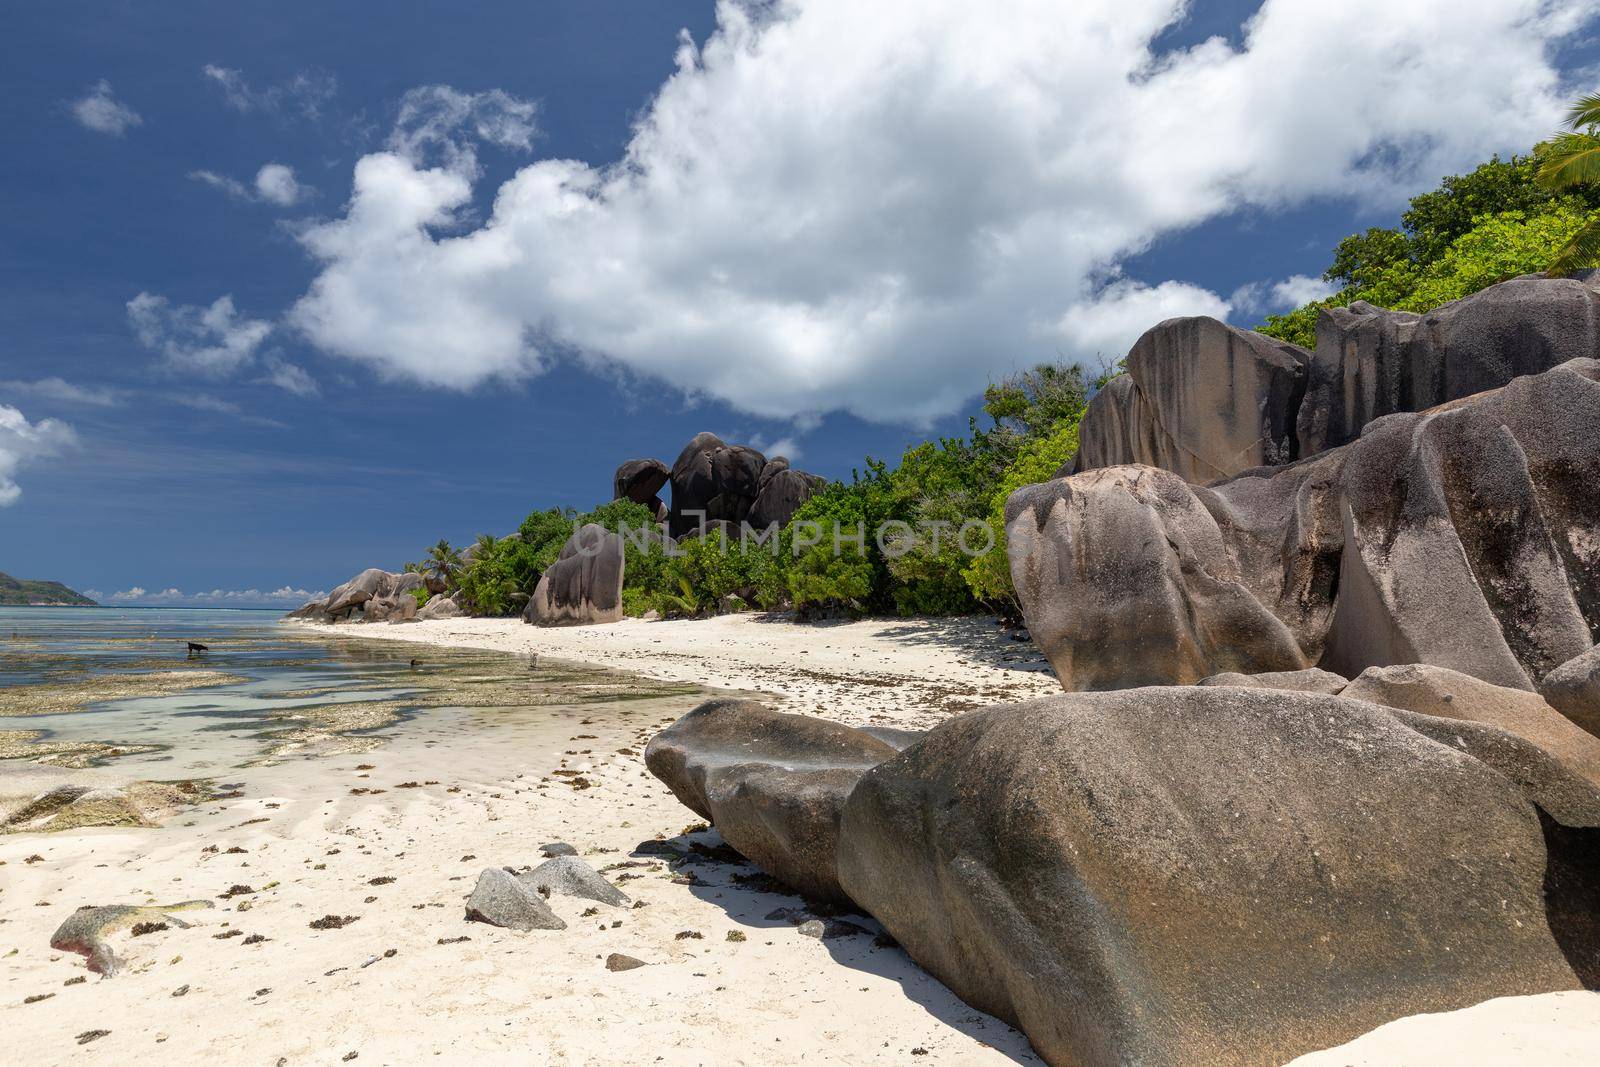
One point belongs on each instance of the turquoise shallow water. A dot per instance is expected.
(286, 681)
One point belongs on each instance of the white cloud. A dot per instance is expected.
(438, 121)
(22, 442)
(787, 447)
(877, 208)
(66, 392)
(275, 183)
(100, 111)
(1263, 297)
(303, 95)
(289, 377)
(284, 595)
(212, 341)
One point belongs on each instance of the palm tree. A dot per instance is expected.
(443, 562)
(1572, 159)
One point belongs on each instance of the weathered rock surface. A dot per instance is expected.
(85, 931)
(584, 585)
(440, 606)
(1310, 680)
(713, 480)
(782, 493)
(772, 784)
(640, 480)
(401, 608)
(1201, 399)
(372, 582)
(1224, 875)
(500, 899)
(1467, 536)
(1573, 689)
(1359, 371)
(71, 806)
(1125, 579)
(1447, 694)
(569, 876)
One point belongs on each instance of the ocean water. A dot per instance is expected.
(110, 689)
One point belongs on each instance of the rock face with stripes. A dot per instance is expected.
(1466, 536)
(584, 585)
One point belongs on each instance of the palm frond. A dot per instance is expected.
(1571, 159)
(1585, 112)
(1579, 253)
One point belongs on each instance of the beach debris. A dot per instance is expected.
(85, 930)
(617, 961)
(333, 922)
(452, 940)
(92, 1035)
(501, 899)
(570, 876)
(37, 997)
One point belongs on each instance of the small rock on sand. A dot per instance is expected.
(569, 876)
(500, 899)
(618, 962)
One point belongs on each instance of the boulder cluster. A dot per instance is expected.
(1328, 754)
(715, 488)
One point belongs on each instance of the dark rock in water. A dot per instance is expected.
(1224, 876)
(1310, 680)
(85, 930)
(1464, 536)
(782, 493)
(712, 480)
(558, 848)
(619, 962)
(1573, 689)
(584, 585)
(1447, 694)
(772, 784)
(500, 899)
(569, 876)
(640, 480)
(1201, 399)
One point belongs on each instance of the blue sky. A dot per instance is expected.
(294, 289)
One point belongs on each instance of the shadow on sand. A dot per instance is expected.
(753, 900)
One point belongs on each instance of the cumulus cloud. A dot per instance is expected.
(303, 95)
(212, 341)
(22, 442)
(174, 597)
(275, 183)
(1270, 297)
(876, 208)
(437, 122)
(99, 110)
(65, 392)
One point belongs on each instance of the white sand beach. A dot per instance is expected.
(396, 837)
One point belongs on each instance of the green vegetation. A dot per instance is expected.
(1522, 215)
(18, 592)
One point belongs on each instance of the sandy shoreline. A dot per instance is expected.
(454, 791)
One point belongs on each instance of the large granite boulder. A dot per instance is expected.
(372, 582)
(1466, 536)
(1573, 689)
(584, 585)
(713, 480)
(440, 606)
(772, 784)
(781, 494)
(1201, 399)
(1125, 579)
(1472, 533)
(1359, 371)
(1310, 680)
(640, 480)
(312, 611)
(1221, 875)
(1446, 694)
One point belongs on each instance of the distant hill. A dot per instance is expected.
(15, 592)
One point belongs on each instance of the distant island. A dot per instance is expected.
(14, 592)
